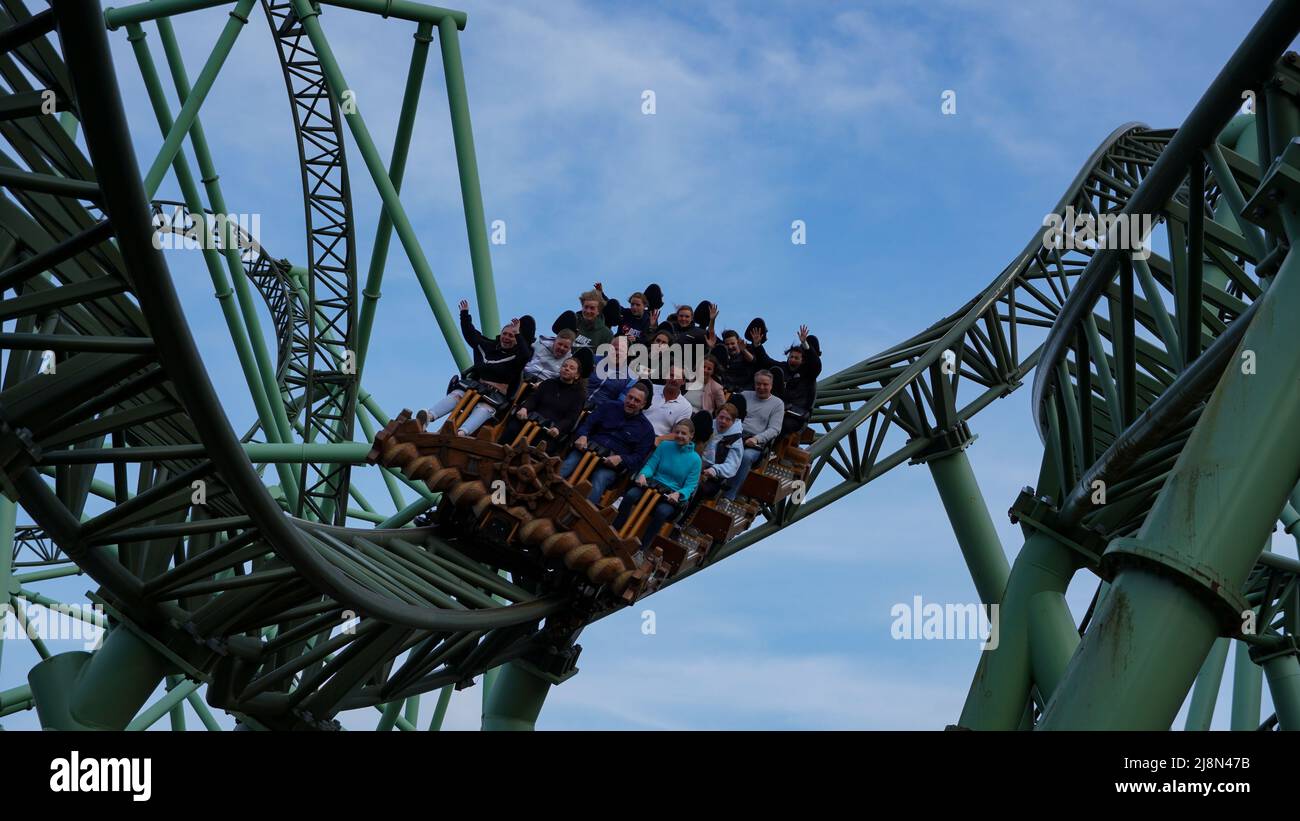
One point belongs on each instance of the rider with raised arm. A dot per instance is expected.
(495, 374)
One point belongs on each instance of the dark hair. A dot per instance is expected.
(730, 332)
(646, 391)
(717, 366)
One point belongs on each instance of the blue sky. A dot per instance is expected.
(766, 113)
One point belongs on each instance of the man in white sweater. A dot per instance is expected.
(669, 406)
(764, 414)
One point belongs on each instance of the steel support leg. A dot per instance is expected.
(1001, 686)
(1153, 632)
(97, 691)
(1284, 685)
(1247, 684)
(515, 700)
(972, 524)
(1206, 692)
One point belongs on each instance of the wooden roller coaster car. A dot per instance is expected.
(514, 493)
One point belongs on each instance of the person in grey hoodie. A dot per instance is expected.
(548, 356)
(722, 455)
(765, 413)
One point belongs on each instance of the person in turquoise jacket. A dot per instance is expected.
(674, 465)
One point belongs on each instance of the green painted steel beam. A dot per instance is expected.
(253, 366)
(190, 109)
(440, 709)
(1283, 672)
(1208, 681)
(8, 517)
(1247, 690)
(515, 700)
(154, 9)
(396, 171)
(1152, 634)
(404, 10)
(971, 523)
(1001, 686)
(384, 185)
(231, 252)
(97, 691)
(173, 700)
(467, 165)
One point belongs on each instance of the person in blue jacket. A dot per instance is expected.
(623, 430)
(674, 465)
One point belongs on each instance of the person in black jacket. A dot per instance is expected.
(495, 373)
(558, 401)
(738, 366)
(797, 377)
(682, 328)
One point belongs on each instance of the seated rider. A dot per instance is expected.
(682, 329)
(590, 330)
(619, 428)
(764, 415)
(611, 377)
(722, 453)
(668, 406)
(557, 401)
(633, 321)
(737, 371)
(673, 469)
(495, 373)
(798, 378)
(707, 395)
(548, 355)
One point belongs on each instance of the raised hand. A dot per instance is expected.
(756, 336)
(803, 334)
(464, 304)
(598, 287)
(654, 318)
(713, 310)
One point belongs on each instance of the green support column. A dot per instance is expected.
(515, 700)
(1152, 633)
(8, 516)
(1206, 692)
(1000, 689)
(231, 253)
(1283, 673)
(467, 164)
(396, 171)
(384, 185)
(972, 524)
(190, 108)
(1247, 689)
(97, 691)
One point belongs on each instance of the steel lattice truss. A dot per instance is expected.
(324, 368)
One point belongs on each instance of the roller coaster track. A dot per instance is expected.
(291, 621)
